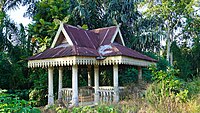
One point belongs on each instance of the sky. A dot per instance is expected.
(17, 16)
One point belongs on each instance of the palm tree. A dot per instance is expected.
(10, 4)
(7, 28)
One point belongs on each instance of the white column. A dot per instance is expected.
(89, 75)
(75, 85)
(96, 83)
(60, 83)
(116, 86)
(139, 74)
(50, 86)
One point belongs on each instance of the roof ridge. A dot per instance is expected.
(74, 27)
(91, 29)
(103, 28)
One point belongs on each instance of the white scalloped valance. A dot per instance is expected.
(80, 60)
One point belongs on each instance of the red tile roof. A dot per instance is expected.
(93, 43)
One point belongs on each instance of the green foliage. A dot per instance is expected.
(182, 60)
(186, 100)
(11, 104)
(168, 78)
(39, 78)
(6, 5)
(170, 14)
(106, 76)
(166, 84)
(161, 64)
(146, 75)
(39, 96)
(128, 76)
(22, 94)
(94, 14)
(140, 32)
(82, 77)
(194, 87)
(13, 52)
(196, 55)
(187, 59)
(89, 109)
(16, 77)
(39, 89)
(47, 17)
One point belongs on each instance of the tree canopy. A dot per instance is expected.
(145, 25)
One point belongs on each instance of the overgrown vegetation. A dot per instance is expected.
(173, 89)
(166, 94)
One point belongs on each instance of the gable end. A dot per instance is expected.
(117, 37)
(61, 37)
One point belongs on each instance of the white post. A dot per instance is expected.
(89, 75)
(60, 83)
(96, 83)
(139, 74)
(116, 87)
(75, 85)
(50, 86)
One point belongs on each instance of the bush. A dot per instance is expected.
(168, 93)
(194, 87)
(39, 96)
(166, 82)
(10, 103)
(22, 94)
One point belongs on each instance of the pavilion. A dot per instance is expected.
(74, 46)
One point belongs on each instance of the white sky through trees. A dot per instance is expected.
(17, 16)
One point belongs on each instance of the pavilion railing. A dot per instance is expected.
(86, 94)
(66, 94)
(106, 93)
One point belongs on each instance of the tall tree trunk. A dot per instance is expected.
(171, 53)
(171, 58)
(168, 44)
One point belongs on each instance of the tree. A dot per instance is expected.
(13, 49)
(171, 14)
(49, 14)
(9, 4)
(193, 30)
(94, 14)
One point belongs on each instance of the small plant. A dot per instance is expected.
(39, 95)
(10, 103)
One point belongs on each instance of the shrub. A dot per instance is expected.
(39, 96)
(166, 82)
(194, 87)
(168, 93)
(10, 103)
(22, 94)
